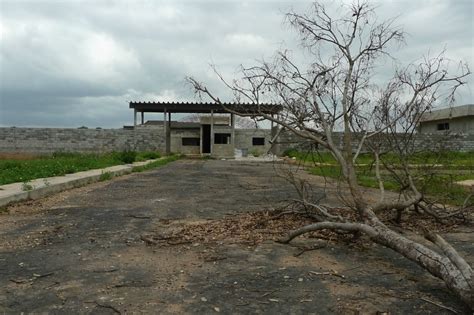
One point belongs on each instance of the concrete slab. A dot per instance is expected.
(42, 187)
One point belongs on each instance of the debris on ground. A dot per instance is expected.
(256, 227)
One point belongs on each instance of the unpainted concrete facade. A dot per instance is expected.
(452, 125)
(222, 142)
(254, 141)
(458, 119)
(215, 135)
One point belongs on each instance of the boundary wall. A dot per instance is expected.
(50, 140)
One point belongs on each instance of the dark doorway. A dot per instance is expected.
(206, 138)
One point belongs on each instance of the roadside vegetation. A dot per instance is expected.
(157, 163)
(17, 169)
(437, 173)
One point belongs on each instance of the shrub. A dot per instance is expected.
(127, 157)
(292, 152)
(105, 176)
(26, 186)
(150, 155)
(255, 152)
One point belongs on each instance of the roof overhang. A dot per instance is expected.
(448, 113)
(195, 107)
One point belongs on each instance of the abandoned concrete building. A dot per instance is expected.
(214, 134)
(459, 119)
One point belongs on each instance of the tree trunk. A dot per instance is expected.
(438, 265)
(448, 266)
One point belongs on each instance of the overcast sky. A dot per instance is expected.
(75, 63)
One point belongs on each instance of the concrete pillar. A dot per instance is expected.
(232, 124)
(134, 117)
(274, 132)
(164, 129)
(200, 139)
(212, 130)
(168, 135)
(143, 118)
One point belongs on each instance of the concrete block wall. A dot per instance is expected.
(243, 140)
(50, 140)
(177, 136)
(462, 142)
(223, 150)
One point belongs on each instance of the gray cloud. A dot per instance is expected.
(79, 63)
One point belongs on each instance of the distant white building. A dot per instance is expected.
(459, 119)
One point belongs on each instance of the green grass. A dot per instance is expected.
(440, 184)
(59, 164)
(448, 159)
(147, 155)
(105, 176)
(157, 163)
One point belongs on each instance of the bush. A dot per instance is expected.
(127, 157)
(150, 155)
(292, 152)
(105, 176)
(255, 152)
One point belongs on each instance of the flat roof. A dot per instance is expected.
(198, 107)
(448, 113)
(174, 124)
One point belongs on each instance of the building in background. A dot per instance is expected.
(214, 134)
(459, 119)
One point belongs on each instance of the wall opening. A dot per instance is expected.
(206, 138)
(194, 142)
(258, 141)
(443, 126)
(222, 138)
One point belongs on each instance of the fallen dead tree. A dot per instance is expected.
(334, 90)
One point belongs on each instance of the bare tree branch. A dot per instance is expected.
(336, 92)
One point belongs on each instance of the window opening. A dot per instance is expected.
(222, 138)
(443, 126)
(190, 142)
(258, 141)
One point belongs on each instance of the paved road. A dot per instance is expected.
(81, 252)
